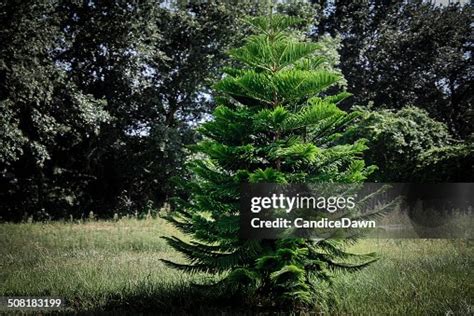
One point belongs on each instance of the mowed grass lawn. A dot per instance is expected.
(115, 266)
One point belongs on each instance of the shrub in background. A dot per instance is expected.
(409, 146)
(453, 163)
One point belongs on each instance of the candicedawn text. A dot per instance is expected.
(303, 223)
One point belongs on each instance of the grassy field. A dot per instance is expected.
(110, 266)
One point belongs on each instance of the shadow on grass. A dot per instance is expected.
(177, 299)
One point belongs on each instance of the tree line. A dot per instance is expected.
(100, 100)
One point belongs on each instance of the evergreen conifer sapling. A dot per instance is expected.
(275, 123)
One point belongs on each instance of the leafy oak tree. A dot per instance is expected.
(45, 116)
(152, 62)
(99, 98)
(274, 124)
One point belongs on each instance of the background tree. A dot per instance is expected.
(129, 81)
(397, 53)
(152, 64)
(274, 124)
(44, 115)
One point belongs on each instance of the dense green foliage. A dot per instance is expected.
(396, 140)
(453, 163)
(98, 100)
(397, 53)
(45, 116)
(408, 145)
(274, 124)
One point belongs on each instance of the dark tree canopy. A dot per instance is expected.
(45, 116)
(99, 99)
(398, 53)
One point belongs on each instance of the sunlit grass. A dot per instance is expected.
(413, 277)
(100, 265)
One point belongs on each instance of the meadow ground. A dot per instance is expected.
(111, 266)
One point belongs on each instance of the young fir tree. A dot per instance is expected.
(274, 124)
